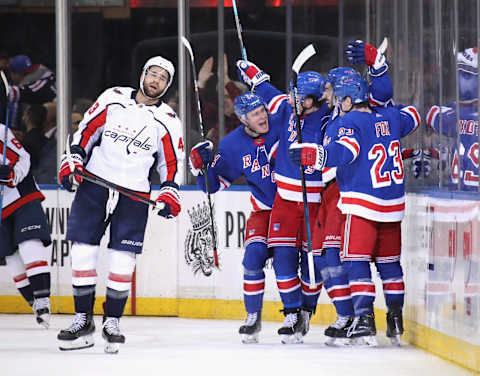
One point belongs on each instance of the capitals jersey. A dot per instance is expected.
(367, 154)
(240, 154)
(124, 140)
(465, 161)
(287, 174)
(26, 189)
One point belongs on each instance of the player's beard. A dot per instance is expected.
(152, 93)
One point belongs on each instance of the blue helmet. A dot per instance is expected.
(309, 83)
(245, 103)
(353, 86)
(19, 64)
(336, 73)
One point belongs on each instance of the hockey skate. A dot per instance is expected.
(394, 326)
(250, 330)
(79, 335)
(293, 326)
(363, 330)
(307, 314)
(41, 309)
(111, 334)
(337, 332)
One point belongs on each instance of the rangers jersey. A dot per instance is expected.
(124, 140)
(367, 154)
(287, 174)
(26, 189)
(240, 154)
(465, 161)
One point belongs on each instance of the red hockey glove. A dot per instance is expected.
(200, 155)
(65, 175)
(251, 74)
(7, 176)
(307, 154)
(170, 197)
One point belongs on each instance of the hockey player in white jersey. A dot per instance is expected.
(123, 135)
(24, 232)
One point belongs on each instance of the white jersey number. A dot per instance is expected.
(379, 155)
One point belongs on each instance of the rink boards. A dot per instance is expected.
(175, 275)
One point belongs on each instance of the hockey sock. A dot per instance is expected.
(27, 293)
(84, 297)
(115, 302)
(336, 283)
(256, 255)
(393, 286)
(285, 264)
(362, 287)
(40, 285)
(310, 295)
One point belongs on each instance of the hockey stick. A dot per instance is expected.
(306, 54)
(5, 137)
(239, 30)
(109, 185)
(187, 45)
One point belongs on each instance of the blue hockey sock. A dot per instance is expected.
(285, 264)
(362, 287)
(393, 286)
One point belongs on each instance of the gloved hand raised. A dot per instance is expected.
(200, 155)
(358, 52)
(250, 74)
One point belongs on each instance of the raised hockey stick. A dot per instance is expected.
(306, 54)
(187, 45)
(5, 137)
(239, 30)
(109, 185)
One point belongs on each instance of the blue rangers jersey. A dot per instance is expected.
(367, 153)
(465, 161)
(240, 154)
(380, 95)
(287, 174)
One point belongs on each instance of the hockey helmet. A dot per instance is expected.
(467, 66)
(309, 83)
(246, 103)
(353, 86)
(336, 73)
(162, 63)
(19, 64)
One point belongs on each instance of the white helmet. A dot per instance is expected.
(162, 63)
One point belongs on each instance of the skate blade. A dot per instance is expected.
(338, 342)
(291, 339)
(45, 322)
(366, 341)
(83, 342)
(111, 347)
(249, 338)
(395, 340)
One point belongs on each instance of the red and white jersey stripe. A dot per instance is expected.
(291, 189)
(371, 207)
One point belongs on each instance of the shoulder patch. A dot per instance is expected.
(172, 114)
(116, 90)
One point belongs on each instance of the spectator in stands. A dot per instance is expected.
(209, 107)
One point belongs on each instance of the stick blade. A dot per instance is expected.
(302, 57)
(187, 45)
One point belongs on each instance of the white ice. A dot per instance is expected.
(173, 346)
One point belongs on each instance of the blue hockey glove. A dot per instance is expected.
(250, 74)
(200, 155)
(307, 154)
(360, 52)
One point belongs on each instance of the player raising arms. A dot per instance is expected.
(245, 152)
(370, 176)
(122, 136)
(287, 218)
